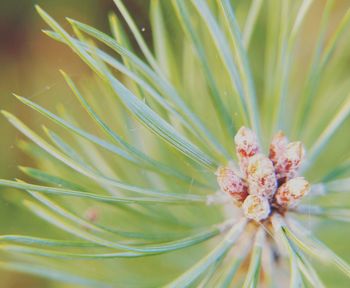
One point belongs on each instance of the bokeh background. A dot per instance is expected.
(29, 63)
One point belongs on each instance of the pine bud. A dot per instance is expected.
(246, 147)
(230, 183)
(246, 143)
(261, 176)
(289, 194)
(289, 162)
(256, 207)
(278, 146)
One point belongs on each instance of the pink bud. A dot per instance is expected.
(289, 194)
(278, 147)
(246, 143)
(246, 147)
(229, 182)
(261, 176)
(256, 207)
(290, 160)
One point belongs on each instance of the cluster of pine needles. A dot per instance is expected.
(128, 184)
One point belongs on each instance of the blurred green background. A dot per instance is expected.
(29, 63)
